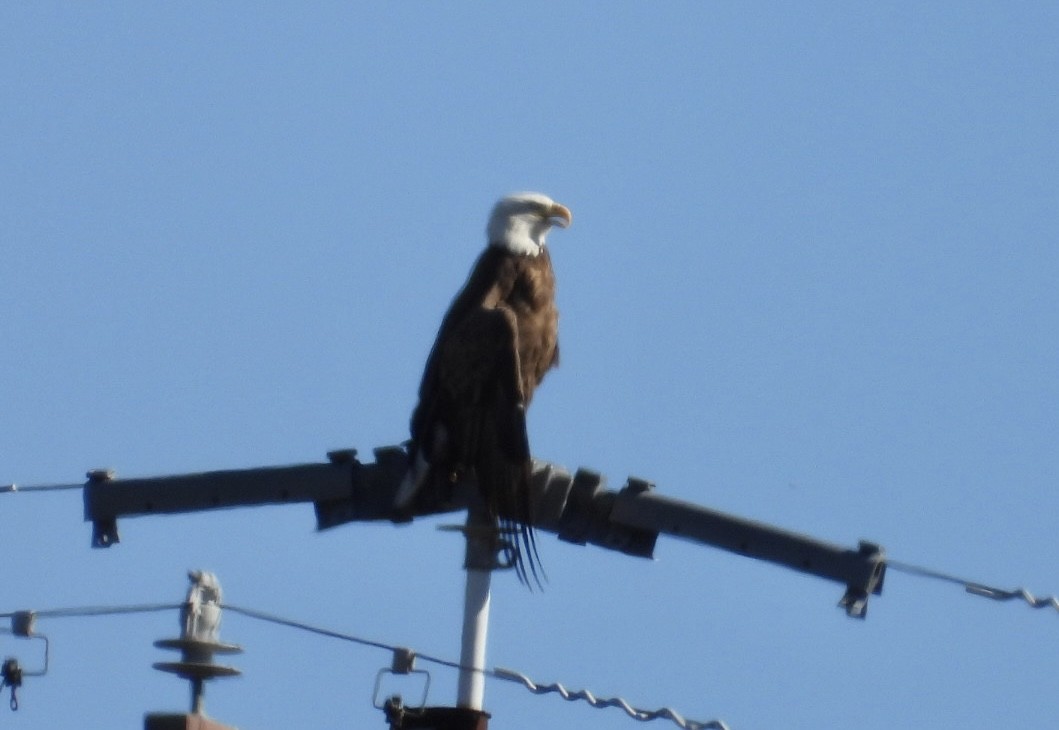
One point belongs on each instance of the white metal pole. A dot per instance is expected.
(479, 565)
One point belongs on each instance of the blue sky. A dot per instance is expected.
(811, 280)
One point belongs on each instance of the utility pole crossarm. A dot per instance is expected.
(576, 507)
(861, 570)
(343, 487)
(342, 490)
(580, 510)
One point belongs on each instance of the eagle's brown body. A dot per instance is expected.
(496, 342)
(520, 291)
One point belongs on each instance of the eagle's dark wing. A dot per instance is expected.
(462, 353)
(477, 422)
(477, 383)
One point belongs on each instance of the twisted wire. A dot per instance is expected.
(998, 594)
(975, 588)
(636, 713)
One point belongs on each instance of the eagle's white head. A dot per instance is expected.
(520, 222)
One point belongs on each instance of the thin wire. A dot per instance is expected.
(99, 610)
(498, 673)
(975, 588)
(972, 587)
(271, 618)
(290, 623)
(39, 487)
(923, 572)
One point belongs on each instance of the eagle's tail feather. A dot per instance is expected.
(524, 497)
(514, 519)
(503, 472)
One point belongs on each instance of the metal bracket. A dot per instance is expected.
(403, 664)
(104, 530)
(855, 600)
(11, 672)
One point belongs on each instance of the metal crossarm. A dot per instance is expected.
(577, 507)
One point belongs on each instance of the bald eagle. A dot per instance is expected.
(496, 342)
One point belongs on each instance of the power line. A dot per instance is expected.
(271, 618)
(4, 488)
(509, 675)
(86, 611)
(664, 713)
(975, 588)
(302, 626)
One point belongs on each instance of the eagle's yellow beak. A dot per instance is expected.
(560, 215)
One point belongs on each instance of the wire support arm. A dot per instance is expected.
(577, 507)
(580, 510)
(861, 569)
(351, 490)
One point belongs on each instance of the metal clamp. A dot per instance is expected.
(11, 672)
(855, 600)
(403, 664)
(11, 676)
